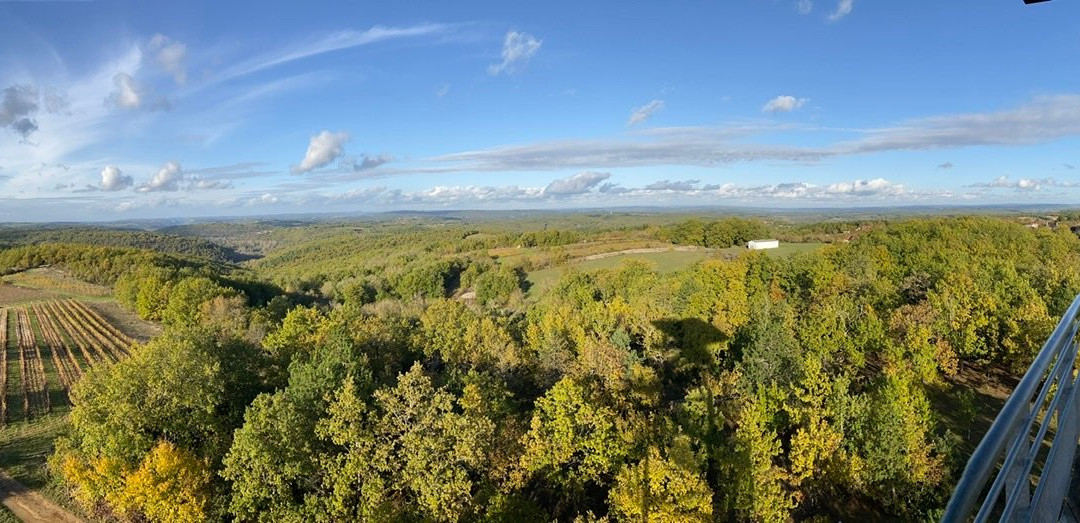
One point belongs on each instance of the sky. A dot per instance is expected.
(126, 110)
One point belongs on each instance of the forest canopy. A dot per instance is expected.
(749, 387)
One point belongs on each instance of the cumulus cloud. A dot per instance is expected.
(371, 162)
(1024, 184)
(323, 149)
(643, 113)
(946, 165)
(171, 177)
(611, 188)
(804, 6)
(17, 108)
(129, 94)
(518, 49)
(112, 179)
(466, 194)
(877, 186)
(579, 183)
(126, 94)
(167, 178)
(843, 8)
(783, 104)
(668, 185)
(170, 55)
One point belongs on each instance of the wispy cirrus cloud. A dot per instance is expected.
(335, 41)
(843, 8)
(518, 48)
(643, 113)
(1044, 119)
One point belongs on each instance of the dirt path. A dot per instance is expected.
(30, 506)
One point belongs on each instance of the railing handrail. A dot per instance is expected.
(1003, 430)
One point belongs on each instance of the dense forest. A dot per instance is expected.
(405, 371)
(102, 237)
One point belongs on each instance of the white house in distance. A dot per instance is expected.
(757, 245)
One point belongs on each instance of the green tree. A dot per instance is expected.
(573, 439)
(661, 490)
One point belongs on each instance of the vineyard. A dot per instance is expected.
(46, 348)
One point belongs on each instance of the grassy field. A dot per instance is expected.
(785, 249)
(37, 285)
(665, 262)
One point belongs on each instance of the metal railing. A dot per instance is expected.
(1046, 396)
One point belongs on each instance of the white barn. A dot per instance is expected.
(756, 245)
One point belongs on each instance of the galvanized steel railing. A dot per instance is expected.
(1045, 398)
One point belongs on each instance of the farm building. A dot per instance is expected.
(756, 245)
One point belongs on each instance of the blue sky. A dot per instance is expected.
(112, 111)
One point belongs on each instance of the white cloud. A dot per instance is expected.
(114, 180)
(668, 185)
(263, 199)
(201, 184)
(804, 6)
(518, 49)
(468, 194)
(332, 42)
(1024, 184)
(577, 184)
(1043, 120)
(324, 149)
(877, 186)
(657, 193)
(442, 90)
(843, 8)
(168, 178)
(126, 95)
(170, 55)
(784, 104)
(643, 113)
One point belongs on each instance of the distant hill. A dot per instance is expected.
(163, 243)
